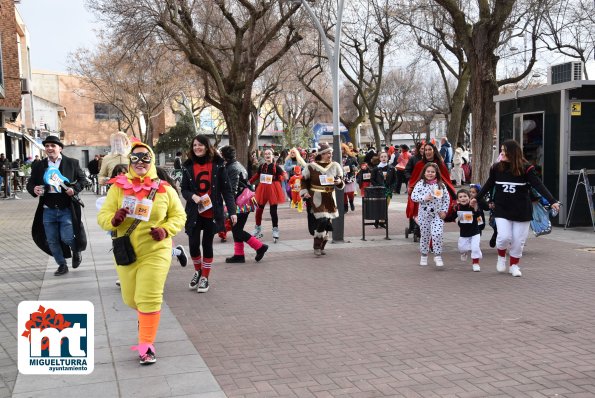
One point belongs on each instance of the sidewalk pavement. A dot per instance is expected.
(179, 371)
(363, 321)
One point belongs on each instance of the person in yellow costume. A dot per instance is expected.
(142, 282)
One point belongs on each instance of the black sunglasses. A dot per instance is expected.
(137, 157)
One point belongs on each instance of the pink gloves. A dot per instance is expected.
(119, 217)
(158, 233)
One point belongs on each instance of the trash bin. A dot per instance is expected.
(374, 204)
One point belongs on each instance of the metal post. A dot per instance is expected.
(333, 56)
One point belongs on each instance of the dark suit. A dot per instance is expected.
(70, 169)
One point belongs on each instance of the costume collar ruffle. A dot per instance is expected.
(138, 186)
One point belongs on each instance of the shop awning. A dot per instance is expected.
(32, 140)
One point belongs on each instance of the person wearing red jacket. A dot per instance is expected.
(269, 191)
(430, 154)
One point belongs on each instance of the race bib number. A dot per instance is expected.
(465, 217)
(266, 179)
(438, 193)
(327, 180)
(297, 185)
(142, 211)
(138, 209)
(346, 169)
(366, 176)
(204, 203)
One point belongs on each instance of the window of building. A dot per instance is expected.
(106, 112)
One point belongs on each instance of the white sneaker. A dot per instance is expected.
(515, 270)
(476, 268)
(438, 261)
(464, 256)
(423, 260)
(501, 265)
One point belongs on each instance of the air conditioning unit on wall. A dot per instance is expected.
(565, 72)
(25, 86)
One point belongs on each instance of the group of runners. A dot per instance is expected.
(143, 211)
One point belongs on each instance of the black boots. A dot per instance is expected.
(260, 252)
(62, 269)
(235, 259)
(77, 258)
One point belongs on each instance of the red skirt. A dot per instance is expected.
(363, 187)
(270, 193)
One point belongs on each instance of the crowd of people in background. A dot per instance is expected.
(143, 205)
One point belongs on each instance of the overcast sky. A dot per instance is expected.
(56, 28)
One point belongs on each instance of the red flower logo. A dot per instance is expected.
(43, 319)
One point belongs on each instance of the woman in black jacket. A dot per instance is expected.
(205, 187)
(238, 180)
(511, 180)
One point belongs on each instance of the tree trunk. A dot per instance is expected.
(483, 110)
(353, 133)
(458, 119)
(376, 131)
(237, 120)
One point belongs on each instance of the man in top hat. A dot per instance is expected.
(57, 227)
(319, 179)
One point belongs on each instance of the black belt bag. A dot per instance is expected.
(123, 250)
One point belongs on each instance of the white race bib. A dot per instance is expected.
(297, 185)
(346, 169)
(327, 180)
(465, 217)
(205, 203)
(138, 209)
(266, 179)
(366, 176)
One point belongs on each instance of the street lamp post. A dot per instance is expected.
(333, 54)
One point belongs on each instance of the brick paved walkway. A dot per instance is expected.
(367, 321)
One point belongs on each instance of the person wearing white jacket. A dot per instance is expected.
(434, 200)
(457, 174)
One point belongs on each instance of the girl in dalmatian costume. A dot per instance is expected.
(433, 198)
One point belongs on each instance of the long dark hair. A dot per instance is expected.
(436, 167)
(514, 158)
(437, 158)
(211, 152)
(229, 153)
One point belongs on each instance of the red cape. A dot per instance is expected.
(412, 207)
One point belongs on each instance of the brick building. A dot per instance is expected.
(10, 81)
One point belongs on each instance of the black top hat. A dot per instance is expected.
(52, 139)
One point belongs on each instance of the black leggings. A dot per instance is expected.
(274, 216)
(239, 235)
(207, 227)
(324, 224)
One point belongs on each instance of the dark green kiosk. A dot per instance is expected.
(555, 125)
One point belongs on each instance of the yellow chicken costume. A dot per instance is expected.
(142, 282)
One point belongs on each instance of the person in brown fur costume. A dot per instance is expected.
(319, 180)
